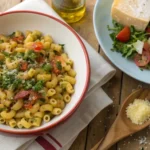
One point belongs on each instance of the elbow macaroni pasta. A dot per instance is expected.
(37, 79)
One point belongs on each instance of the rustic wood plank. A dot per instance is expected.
(80, 142)
(6, 4)
(85, 26)
(133, 142)
(99, 126)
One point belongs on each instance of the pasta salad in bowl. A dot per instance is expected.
(41, 79)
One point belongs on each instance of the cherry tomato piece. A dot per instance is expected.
(28, 105)
(148, 31)
(124, 35)
(146, 46)
(37, 46)
(142, 60)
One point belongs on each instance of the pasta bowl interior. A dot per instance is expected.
(62, 40)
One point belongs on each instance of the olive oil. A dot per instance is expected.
(70, 10)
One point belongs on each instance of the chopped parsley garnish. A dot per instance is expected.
(6, 54)
(30, 55)
(1, 41)
(12, 35)
(2, 109)
(1, 63)
(38, 86)
(8, 80)
(19, 55)
(29, 84)
(16, 84)
(56, 53)
(47, 67)
(58, 64)
(62, 45)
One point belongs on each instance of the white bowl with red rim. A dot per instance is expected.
(74, 47)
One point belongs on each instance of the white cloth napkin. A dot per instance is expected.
(62, 136)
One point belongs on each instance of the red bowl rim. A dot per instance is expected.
(36, 131)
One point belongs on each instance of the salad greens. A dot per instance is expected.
(127, 49)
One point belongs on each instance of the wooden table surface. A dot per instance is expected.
(120, 86)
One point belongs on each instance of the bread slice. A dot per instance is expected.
(131, 12)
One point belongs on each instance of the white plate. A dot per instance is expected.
(74, 47)
(101, 19)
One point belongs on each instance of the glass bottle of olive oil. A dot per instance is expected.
(70, 10)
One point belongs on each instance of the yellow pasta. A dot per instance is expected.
(12, 123)
(71, 73)
(29, 39)
(28, 114)
(31, 72)
(60, 104)
(70, 79)
(56, 111)
(39, 114)
(37, 79)
(7, 103)
(36, 122)
(19, 125)
(53, 82)
(44, 77)
(46, 107)
(8, 115)
(35, 108)
(46, 118)
(11, 65)
(51, 92)
(2, 95)
(67, 97)
(53, 102)
(2, 120)
(48, 38)
(25, 123)
(20, 49)
(69, 88)
(18, 105)
(20, 114)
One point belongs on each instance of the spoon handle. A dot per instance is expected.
(118, 131)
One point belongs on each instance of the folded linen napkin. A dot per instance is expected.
(62, 136)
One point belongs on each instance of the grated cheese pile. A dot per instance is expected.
(138, 111)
